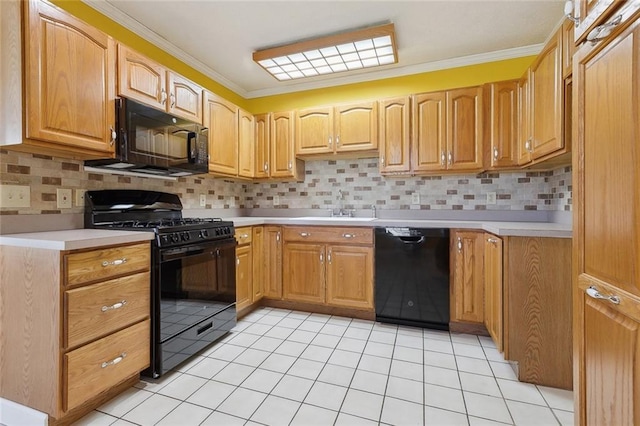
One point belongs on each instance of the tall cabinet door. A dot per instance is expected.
(464, 129)
(262, 145)
(221, 117)
(606, 237)
(503, 123)
(273, 262)
(429, 144)
(350, 276)
(304, 272)
(493, 314)
(467, 289)
(69, 80)
(282, 145)
(394, 135)
(246, 145)
(244, 274)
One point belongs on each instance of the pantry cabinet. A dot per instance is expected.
(606, 243)
(146, 81)
(221, 118)
(394, 127)
(329, 266)
(349, 128)
(69, 109)
(77, 329)
(467, 283)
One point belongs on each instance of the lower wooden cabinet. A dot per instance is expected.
(272, 258)
(328, 265)
(244, 268)
(467, 279)
(257, 249)
(77, 329)
(493, 300)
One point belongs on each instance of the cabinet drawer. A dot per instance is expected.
(324, 234)
(243, 235)
(100, 365)
(105, 263)
(99, 309)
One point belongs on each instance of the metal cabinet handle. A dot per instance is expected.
(596, 34)
(114, 262)
(114, 135)
(443, 158)
(594, 293)
(114, 306)
(330, 141)
(492, 240)
(450, 158)
(290, 165)
(495, 153)
(305, 234)
(321, 257)
(278, 236)
(349, 235)
(459, 244)
(266, 166)
(163, 96)
(527, 145)
(382, 160)
(115, 360)
(329, 257)
(173, 100)
(338, 140)
(244, 236)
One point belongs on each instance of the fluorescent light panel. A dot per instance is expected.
(365, 48)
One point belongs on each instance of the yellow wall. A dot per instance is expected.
(437, 80)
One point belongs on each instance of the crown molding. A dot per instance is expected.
(391, 71)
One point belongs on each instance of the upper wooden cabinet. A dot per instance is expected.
(262, 145)
(593, 13)
(464, 129)
(332, 130)
(428, 137)
(221, 117)
(467, 282)
(394, 126)
(568, 48)
(283, 164)
(501, 101)
(523, 149)
(246, 145)
(146, 81)
(69, 83)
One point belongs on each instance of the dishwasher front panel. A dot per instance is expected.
(412, 276)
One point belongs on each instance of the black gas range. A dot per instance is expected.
(193, 291)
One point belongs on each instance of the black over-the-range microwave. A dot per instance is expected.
(152, 142)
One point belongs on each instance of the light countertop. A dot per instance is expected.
(74, 239)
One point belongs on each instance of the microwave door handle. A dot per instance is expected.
(192, 147)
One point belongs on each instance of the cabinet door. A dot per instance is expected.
(314, 131)
(467, 290)
(246, 145)
(607, 230)
(493, 317)
(221, 117)
(568, 48)
(69, 81)
(503, 123)
(350, 276)
(394, 135)
(592, 13)
(244, 270)
(273, 262)
(141, 79)
(428, 151)
(262, 145)
(356, 127)
(185, 98)
(547, 99)
(258, 252)
(282, 161)
(524, 119)
(304, 272)
(464, 129)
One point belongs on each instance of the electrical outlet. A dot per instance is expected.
(232, 201)
(491, 197)
(63, 198)
(415, 198)
(203, 200)
(15, 196)
(276, 200)
(80, 193)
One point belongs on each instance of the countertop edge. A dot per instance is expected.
(74, 239)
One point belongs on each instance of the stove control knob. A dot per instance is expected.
(186, 236)
(203, 234)
(175, 237)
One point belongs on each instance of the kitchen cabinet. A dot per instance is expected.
(493, 300)
(394, 127)
(221, 118)
(606, 243)
(523, 150)
(146, 81)
(349, 128)
(246, 145)
(467, 281)
(69, 110)
(502, 124)
(244, 268)
(328, 265)
(568, 48)
(77, 329)
(262, 145)
(283, 164)
(464, 129)
(258, 251)
(592, 13)
(272, 255)
(428, 132)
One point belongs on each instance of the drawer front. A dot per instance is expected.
(100, 365)
(243, 235)
(99, 309)
(326, 234)
(105, 263)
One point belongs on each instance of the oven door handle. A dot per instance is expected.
(179, 253)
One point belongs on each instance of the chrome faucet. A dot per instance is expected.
(341, 210)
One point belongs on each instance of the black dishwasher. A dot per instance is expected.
(412, 276)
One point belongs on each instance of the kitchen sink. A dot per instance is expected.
(335, 218)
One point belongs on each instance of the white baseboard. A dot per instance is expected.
(13, 414)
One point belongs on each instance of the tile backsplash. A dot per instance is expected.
(333, 184)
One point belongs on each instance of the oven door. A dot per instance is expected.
(195, 282)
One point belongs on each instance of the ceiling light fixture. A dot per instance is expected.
(347, 51)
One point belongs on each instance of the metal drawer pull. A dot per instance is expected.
(450, 158)
(594, 293)
(329, 141)
(495, 153)
(245, 236)
(596, 34)
(321, 258)
(114, 135)
(115, 360)
(278, 236)
(305, 234)
(443, 159)
(114, 262)
(459, 244)
(114, 306)
(349, 235)
(338, 140)
(492, 240)
(329, 256)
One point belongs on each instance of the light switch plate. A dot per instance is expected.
(63, 198)
(276, 200)
(491, 197)
(15, 196)
(203, 200)
(80, 193)
(415, 198)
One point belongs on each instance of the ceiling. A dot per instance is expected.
(218, 37)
